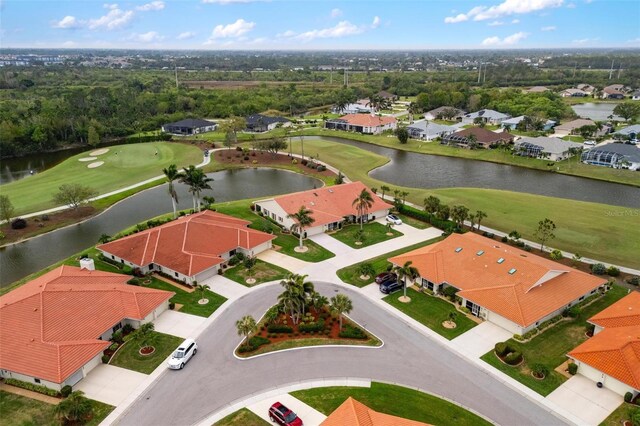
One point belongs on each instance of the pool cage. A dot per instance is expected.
(602, 158)
(527, 149)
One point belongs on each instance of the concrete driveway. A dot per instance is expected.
(309, 415)
(480, 339)
(178, 323)
(226, 287)
(282, 260)
(581, 397)
(110, 384)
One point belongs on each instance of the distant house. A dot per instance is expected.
(362, 123)
(635, 96)
(512, 123)
(356, 108)
(612, 355)
(616, 155)
(487, 116)
(388, 96)
(629, 132)
(355, 413)
(614, 91)
(190, 126)
(573, 93)
(571, 126)
(426, 130)
(191, 248)
(436, 114)
(587, 88)
(483, 137)
(554, 149)
(54, 329)
(537, 89)
(259, 123)
(330, 207)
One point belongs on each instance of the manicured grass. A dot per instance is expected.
(393, 400)
(374, 233)
(23, 411)
(418, 224)
(432, 312)
(622, 413)
(350, 275)
(190, 300)
(242, 417)
(312, 341)
(123, 165)
(129, 357)
(262, 273)
(551, 346)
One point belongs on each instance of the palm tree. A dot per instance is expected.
(296, 295)
(172, 174)
(202, 288)
(246, 325)
(406, 271)
(340, 305)
(479, 216)
(75, 408)
(384, 189)
(318, 301)
(363, 203)
(144, 335)
(272, 314)
(302, 219)
(459, 214)
(197, 181)
(431, 205)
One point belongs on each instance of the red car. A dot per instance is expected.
(281, 415)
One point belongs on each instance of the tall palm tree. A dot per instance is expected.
(172, 174)
(302, 219)
(298, 294)
(384, 189)
(406, 271)
(341, 304)
(363, 203)
(75, 408)
(479, 216)
(318, 301)
(431, 205)
(197, 181)
(246, 325)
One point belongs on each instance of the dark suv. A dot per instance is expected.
(385, 277)
(281, 415)
(389, 287)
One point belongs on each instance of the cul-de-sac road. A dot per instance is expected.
(214, 377)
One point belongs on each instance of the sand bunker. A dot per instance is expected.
(99, 152)
(96, 164)
(87, 159)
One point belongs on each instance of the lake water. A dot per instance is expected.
(596, 111)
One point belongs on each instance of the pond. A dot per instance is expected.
(596, 111)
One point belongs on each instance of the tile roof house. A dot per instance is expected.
(54, 329)
(487, 116)
(554, 149)
(356, 108)
(263, 123)
(190, 248)
(612, 355)
(631, 132)
(354, 413)
(362, 123)
(483, 137)
(426, 130)
(190, 126)
(500, 283)
(331, 207)
(386, 95)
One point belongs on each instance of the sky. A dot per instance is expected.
(320, 24)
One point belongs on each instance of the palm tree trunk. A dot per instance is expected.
(300, 236)
(193, 196)
(175, 207)
(340, 317)
(404, 280)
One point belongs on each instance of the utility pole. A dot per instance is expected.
(479, 72)
(611, 72)
(574, 70)
(484, 79)
(619, 70)
(176, 68)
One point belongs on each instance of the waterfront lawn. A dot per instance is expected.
(393, 400)
(262, 272)
(188, 300)
(242, 417)
(431, 311)
(128, 356)
(374, 233)
(418, 224)
(551, 346)
(350, 274)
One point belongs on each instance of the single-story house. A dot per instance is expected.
(587, 88)
(612, 355)
(487, 116)
(54, 329)
(616, 155)
(614, 91)
(502, 284)
(362, 123)
(190, 248)
(354, 413)
(388, 96)
(554, 149)
(356, 108)
(630, 132)
(512, 123)
(330, 207)
(635, 96)
(190, 126)
(439, 113)
(573, 93)
(537, 89)
(426, 130)
(483, 137)
(259, 123)
(571, 126)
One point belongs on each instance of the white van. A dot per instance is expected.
(183, 354)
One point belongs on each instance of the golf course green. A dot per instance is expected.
(123, 165)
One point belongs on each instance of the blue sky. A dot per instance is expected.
(320, 24)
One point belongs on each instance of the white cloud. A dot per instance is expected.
(506, 8)
(635, 40)
(376, 22)
(286, 34)
(110, 5)
(236, 29)
(495, 23)
(68, 22)
(507, 41)
(154, 5)
(585, 40)
(336, 13)
(186, 35)
(148, 37)
(515, 21)
(571, 6)
(549, 28)
(341, 29)
(116, 18)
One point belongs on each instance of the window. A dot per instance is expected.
(512, 271)
(581, 298)
(480, 253)
(36, 380)
(116, 327)
(113, 257)
(501, 260)
(459, 249)
(176, 274)
(592, 291)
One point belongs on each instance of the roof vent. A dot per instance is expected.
(35, 309)
(331, 190)
(512, 271)
(315, 193)
(458, 250)
(480, 253)
(312, 203)
(501, 260)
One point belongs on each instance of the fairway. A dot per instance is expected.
(123, 165)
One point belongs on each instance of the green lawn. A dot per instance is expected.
(190, 300)
(123, 165)
(393, 400)
(418, 224)
(551, 346)
(311, 341)
(374, 233)
(431, 311)
(129, 357)
(242, 417)
(349, 274)
(262, 272)
(23, 411)
(621, 414)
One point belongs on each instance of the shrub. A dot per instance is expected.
(556, 254)
(172, 305)
(465, 310)
(450, 293)
(114, 346)
(573, 368)
(513, 358)
(18, 223)
(279, 328)
(573, 311)
(488, 234)
(504, 239)
(304, 162)
(32, 387)
(134, 281)
(312, 326)
(105, 359)
(257, 341)
(539, 370)
(502, 349)
(518, 337)
(239, 148)
(66, 391)
(117, 336)
(612, 271)
(351, 332)
(128, 328)
(634, 280)
(246, 158)
(598, 269)
(294, 161)
(628, 397)
(590, 329)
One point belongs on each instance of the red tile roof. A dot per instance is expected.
(355, 413)
(368, 120)
(190, 244)
(329, 204)
(625, 312)
(534, 290)
(49, 327)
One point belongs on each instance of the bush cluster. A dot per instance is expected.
(634, 280)
(539, 370)
(66, 391)
(507, 353)
(279, 328)
(312, 326)
(445, 225)
(513, 358)
(612, 271)
(351, 332)
(502, 348)
(32, 387)
(237, 258)
(253, 343)
(105, 359)
(18, 223)
(573, 368)
(598, 269)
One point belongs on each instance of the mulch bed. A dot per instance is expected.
(36, 225)
(264, 159)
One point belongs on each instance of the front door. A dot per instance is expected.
(475, 309)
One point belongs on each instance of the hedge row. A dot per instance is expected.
(351, 332)
(279, 328)
(253, 343)
(445, 225)
(32, 387)
(314, 326)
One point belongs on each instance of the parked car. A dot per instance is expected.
(390, 287)
(392, 218)
(590, 143)
(183, 354)
(281, 415)
(385, 277)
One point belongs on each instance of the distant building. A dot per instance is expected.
(587, 88)
(630, 132)
(616, 155)
(388, 96)
(537, 89)
(573, 93)
(614, 91)
(512, 123)
(483, 138)
(356, 108)
(190, 126)
(487, 116)
(570, 127)
(362, 123)
(259, 123)
(554, 149)
(436, 114)
(635, 96)
(428, 131)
